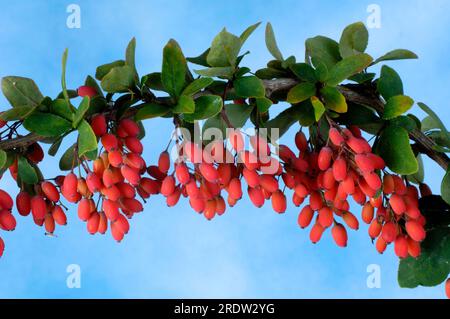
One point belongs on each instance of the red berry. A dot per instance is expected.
(325, 217)
(415, 230)
(164, 162)
(279, 202)
(301, 141)
(324, 159)
(401, 246)
(50, 191)
(98, 124)
(85, 90)
(168, 186)
(305, 216)
(38, 207)
(6, 202)
(23, 203)
(339, 234)
(340, 169)
(335, 137)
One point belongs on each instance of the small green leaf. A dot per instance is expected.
(153, 81)
(304, 72)
(20, 91)
(67, 159)
(206, 106)
(104, 69)
(271, 43)
(222, 72)
(333, 99)
(321, 72)
(119, 79)
(247, 32)
(301, 92)
(201, 59)
(130, 55)
(436, 118)
(322, 49)
(81, 111)
(47, 124)
(348, 67)
(249, 86)
(173, 68)
(238, 114)
(397, 105)
(3, 158)
(185, 104)
(270, 73)
(87, 141)
(151, 110)
(224, 50)
(53, 149)
(197, 85)
(319, 108)
(389, 83)
(396, 151)
(398, 54)
(61, 108)
(17, 113)
(263, 104)
(432, 266)
(353, 40)
(445, 187)
(26, 172)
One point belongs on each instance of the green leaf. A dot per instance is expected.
(130, 56)
(323, 49)
(119, 79)
(348, 67)
(26, 172)
(362, 77)
(333, 99)
(321, 72)
(151, 110)
(397, 105)
(270, 73)
(3, 158)
(67, 159)
(53, 149)
(201, 59)
(238, 114)
(436, 118)
(301, 92)
(206, 106)
(21, 91)
(249, 86)
(363, 117)
(304, 72)
(418, 176)
(61, 108)
(185, 104)
(173, 68)
(223, 72)
(81, 111)
(353, 40)
(104, 69)
(398, 54)
(427, 124)
(445, 187)
(271, 43)
(17, 113)
(396, 151)
(432, 266)
(404, 121)
(87, 141)
(224, 50)
(303, 112)
(263, 104)
(319, 108)
(247, 32)
(389, 84)
(47, 124)
(197, 85)
(153, 81)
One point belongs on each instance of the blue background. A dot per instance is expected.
(175, 252)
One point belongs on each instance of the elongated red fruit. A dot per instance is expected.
(98, 124)
(367, 213)
(397, 204)
(256, 196)
(59, 216)
(447, 288)
(415, 230)
(50, 191)
(93, 222)
(389, 232)
(350, 220)
(38, 207)
(316, 233)
(335, 137)
(23, 203)
(209, 172)
(305, 216)
(401, 246)
(235, 189)
(103, 223)
(339, 234)
(164, 162)
(111, 209)
(85, 90)
(6, 202)
(324, 159)
(182, 173)
(301, 141)
(340, 169)
(279, 202)
(85, 209)
(7, 220)
(325, 217)
(168, 186)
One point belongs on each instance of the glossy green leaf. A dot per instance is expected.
(197, 85)
(61, 108)
(404, 121)
(318, 106)
(81, 111)
(173, 69)
(87, 141)
(353, 40)
(396, 151)
(153, 81)
(119, 79)
(201, 59)
(130, 55)
(151, 110)
(206, 106)
(185, 104)
(436, 118)
(222, 72)
(432, 266)
(304, 72)
(418, 177)
(348, 67)
(67, 159)
(249, 86)
(20, 91)
(323, 49)
(104, 69)
(238, 114)
(398, 54)
(271, 43)
(247, 32)
(47, 124)
(3, 158)
(397, 105)
(301, 92)
(263, 104)
(389, 84)
(224, 50)
(26, 172)
(17, 113)
(445, 187)
(333, 99)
